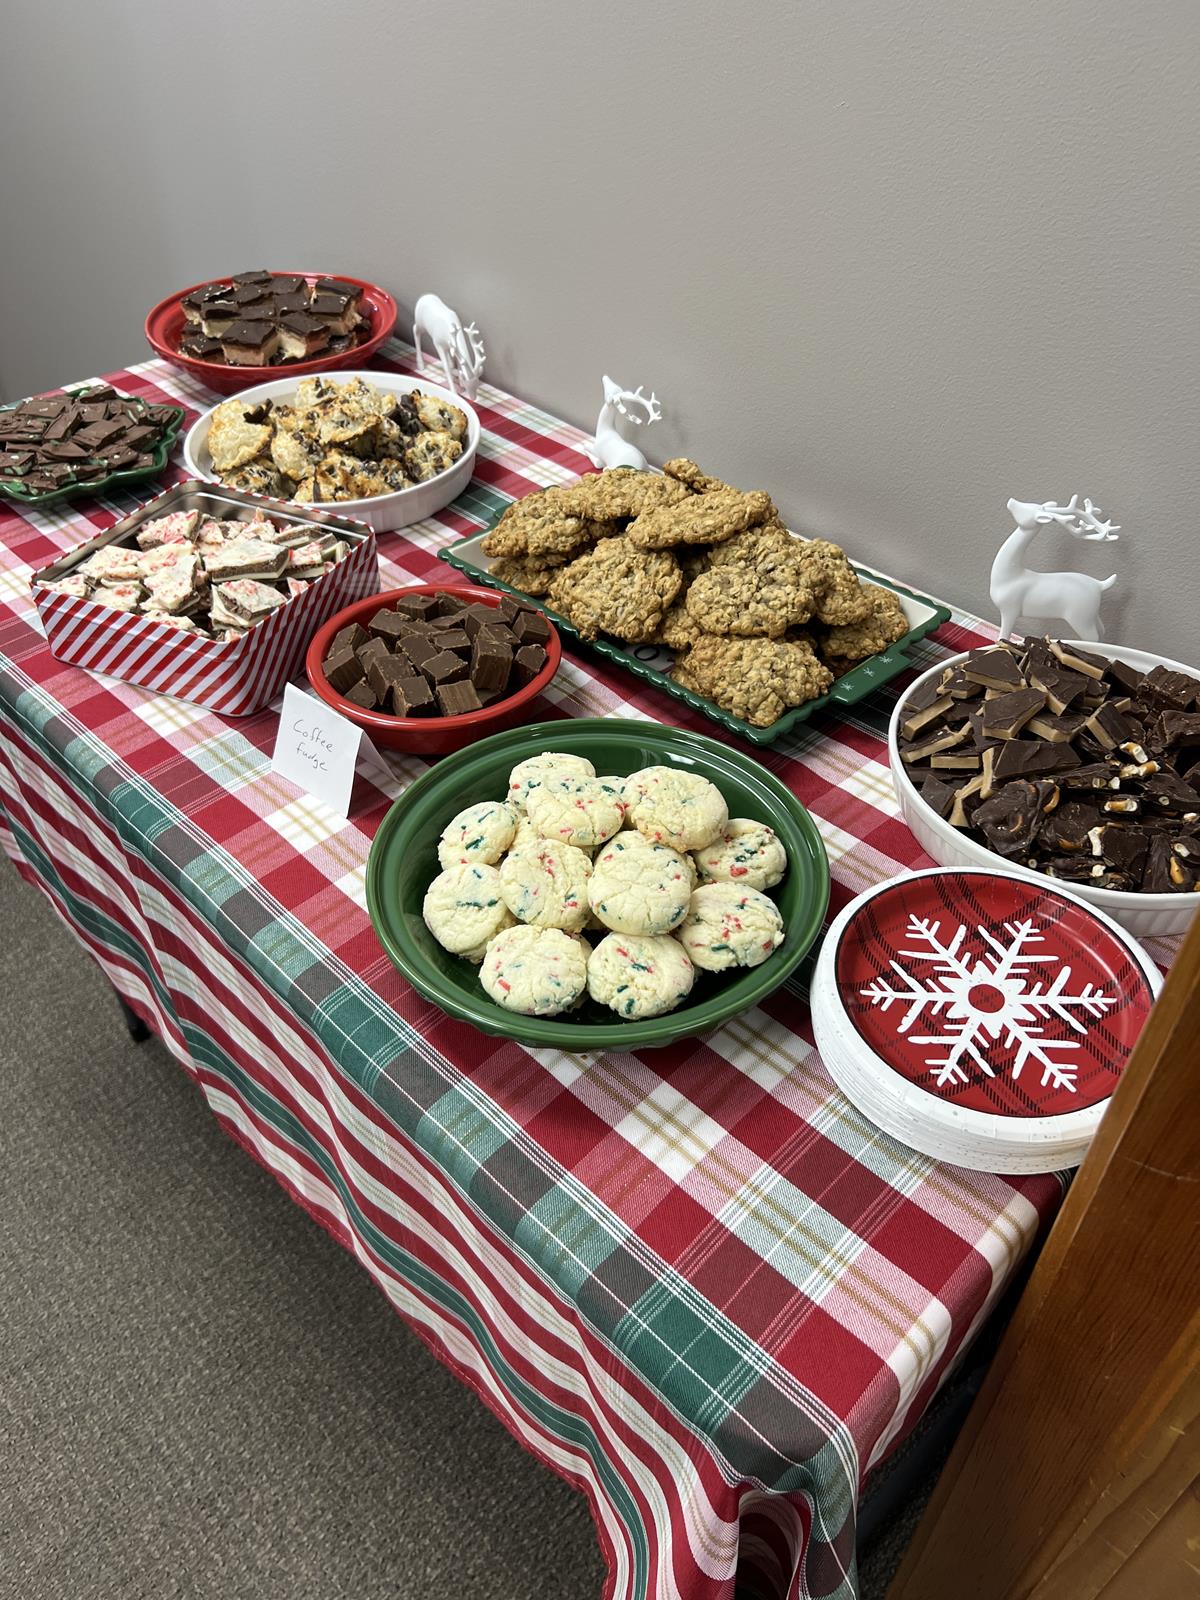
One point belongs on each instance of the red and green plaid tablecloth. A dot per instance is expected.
(695, 1282)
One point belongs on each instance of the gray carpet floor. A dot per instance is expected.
(200, 1393)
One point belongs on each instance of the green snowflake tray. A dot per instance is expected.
(652, 663)
(173, 420)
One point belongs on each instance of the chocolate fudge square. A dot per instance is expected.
(444, 668)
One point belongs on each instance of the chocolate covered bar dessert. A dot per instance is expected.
(1085, 769)
(428, 655)
(268, 319)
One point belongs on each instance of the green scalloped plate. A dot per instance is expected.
(115, 480)
(403, 862)
(650, 663)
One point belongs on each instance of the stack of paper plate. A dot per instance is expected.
(982, 1018)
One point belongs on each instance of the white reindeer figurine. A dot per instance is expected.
(608, 448)
(459, 349)
(1018, 591)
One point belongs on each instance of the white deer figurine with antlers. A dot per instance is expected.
(459, 349)
(608, 448)
(1018, 591)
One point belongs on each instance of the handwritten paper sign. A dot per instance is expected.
(316, 748)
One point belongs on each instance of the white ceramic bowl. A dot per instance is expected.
(382, 512)
(1149, 916)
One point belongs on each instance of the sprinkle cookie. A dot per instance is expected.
(464, 909)
(578, 811)
(527, 775)
(537, 971)
(639, 976)
(481, 833)
(676, 808)
(728, 926)
(746, 853)
(547, 885)
(638, 887)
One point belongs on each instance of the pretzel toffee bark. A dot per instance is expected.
(1085, 769)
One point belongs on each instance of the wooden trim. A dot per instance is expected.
(1090, 1410)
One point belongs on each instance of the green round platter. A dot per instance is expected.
(403, 862)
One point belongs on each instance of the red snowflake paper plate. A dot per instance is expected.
(979, 1016)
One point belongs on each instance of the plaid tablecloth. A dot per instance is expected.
(696, 1282)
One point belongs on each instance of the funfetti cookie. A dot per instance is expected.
(464, 911)
(745, 852)
(639, 976)
(528, 775)
(639, 887)
(546, 884)
(676, 808)
(728, 926)
(574, 810)
(481, 832)
(536, 971)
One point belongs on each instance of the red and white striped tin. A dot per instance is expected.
(234, 678)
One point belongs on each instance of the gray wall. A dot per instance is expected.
(894, 262)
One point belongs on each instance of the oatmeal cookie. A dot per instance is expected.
(686, 471)
(766, 542)
(751, 600)
(678, 630)
(522, 572)
(620, 492)
(841, 598)
(755, 679)
(617, 588)
(557, 530)
(855, 641)
(700, 519)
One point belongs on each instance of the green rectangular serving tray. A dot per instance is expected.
(652, 662)
(114, 480)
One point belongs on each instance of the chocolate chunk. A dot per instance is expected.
(509, 609)
(477, 615)
(531, 628)
(383, 672)
(454, 639)
(1108, 727)
(362, 695)
(389, 626)
(412, 697)
(994, 669)
(353, 634)
(1122, 677)
(457, 698)
(939, 740)
(1174, 690)
(98, 433)
(418, 647)
(1058, 730)
(444, 667)
(368, 652)
(1166, 791)
(1027, 758)
(491, 663)
(342, 667)
(418, 605)
(1124, 847)
(920, 716)
(966, 800)
(527, 663)
(1061, 688)
(1076, 659)
(499, 633)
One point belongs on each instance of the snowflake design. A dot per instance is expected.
(1016, 1006)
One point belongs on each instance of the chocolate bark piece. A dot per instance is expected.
(387, 625)
(1057, 730)
(1184, 867)
(362, 695)
(342, 668)
(1157, 877)
(1108, 727)
(921, 716)
(1166, 791)
(940, 795)
(418, 605)
(1123, 678)
(1061, 687)
(444, 667)
(418, 648)
(1071, 869)
(411, 696)
(1177, 728)
(958, 760)
(455, 699)
(1069, 827)
(353, 634)
(1175, 691)
(1121, 805)
(939, 739)
(1004, 716)
(966, 799)
(65, 425)
(1078, 660)
(98, 433)
(527, 663)
(531, 628)
(994, 669)
(491, 664)
(1124, 847)
(1028, 758)
(1009, 821)
(1093, 775)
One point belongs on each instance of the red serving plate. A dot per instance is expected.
(165, 325)
(426, 736)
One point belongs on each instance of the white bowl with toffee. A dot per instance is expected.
(1072, 856)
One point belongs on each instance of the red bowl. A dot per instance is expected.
(166, 323)
(426, 736)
